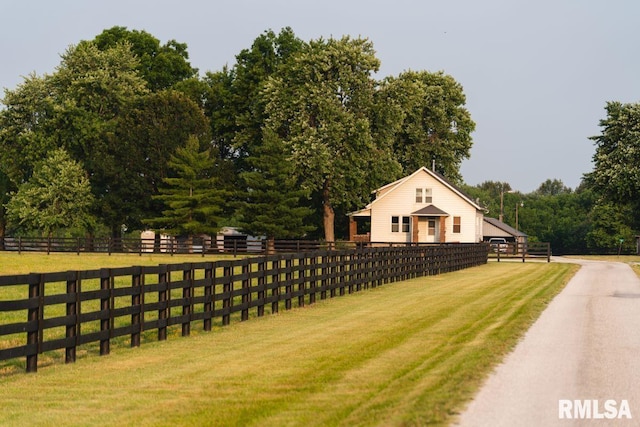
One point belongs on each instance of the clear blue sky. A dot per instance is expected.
(537, 75)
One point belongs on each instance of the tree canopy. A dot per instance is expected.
(57, 196)
(300, 131)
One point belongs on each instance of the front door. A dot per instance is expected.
(428, 229)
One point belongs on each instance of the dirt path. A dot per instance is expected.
(584, 347)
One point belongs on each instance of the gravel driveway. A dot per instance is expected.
(585, 347)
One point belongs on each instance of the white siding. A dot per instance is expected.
(401, 201)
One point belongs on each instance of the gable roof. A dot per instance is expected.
(386, 189)
(504, 227)
(430, 210)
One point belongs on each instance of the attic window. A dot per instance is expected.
(423, 195)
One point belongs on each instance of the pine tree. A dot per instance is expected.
(272, 205)
(192, 197)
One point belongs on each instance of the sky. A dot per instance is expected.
(536, 75)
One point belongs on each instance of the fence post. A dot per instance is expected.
(344, 282)
(187, 294)
(34, 315)
(301, 280)
(163, 306)
(246, 290)
(136, 305)
(209, 295)
(325, 275)
(333, 274)
(261, 287)
(275, 284)
(227, 289)
(105, 308)
(312, 278)
(288, 283)
(73, 309)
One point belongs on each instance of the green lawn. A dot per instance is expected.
(408, 353)
(14, 263)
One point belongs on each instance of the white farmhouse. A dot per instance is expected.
(420, 208)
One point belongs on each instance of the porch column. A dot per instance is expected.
(443, 229)
(414, 229)
(353, 229)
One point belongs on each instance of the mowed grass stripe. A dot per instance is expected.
(430, 361)
(405, 353)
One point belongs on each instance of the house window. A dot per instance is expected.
(423, 195)
(456, 224)
(428, 195)
(431, 228)
(405, 224)
(395, 224)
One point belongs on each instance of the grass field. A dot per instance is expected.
(408, 353)
(13, 263)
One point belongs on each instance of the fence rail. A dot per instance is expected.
(63, 311)
(172, 245)
(521, 251)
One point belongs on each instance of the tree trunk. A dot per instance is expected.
(328, 213)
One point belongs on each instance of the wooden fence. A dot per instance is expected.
(169, 245)
(540, 250)
(44, 312)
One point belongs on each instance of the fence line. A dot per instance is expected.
(521, 250)
(67, 310)
(168, 245)
(172, 245)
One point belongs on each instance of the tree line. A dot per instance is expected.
(126, 135)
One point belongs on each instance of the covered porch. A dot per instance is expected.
(428, 225)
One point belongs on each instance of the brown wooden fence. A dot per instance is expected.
(167, 245)
(44, 312)
(523, 251)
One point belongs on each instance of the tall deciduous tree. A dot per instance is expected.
(148, 133)
(616, 161)
(435, 125)
(192, 197)
(78, 109)
(616, 173)
(57, 196)
(235, 104)
(26, 126)
(552, 187)
(319, 105)
(162, 66)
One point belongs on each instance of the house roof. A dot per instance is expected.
(430, 210)
(388, 188)
(504, 227)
